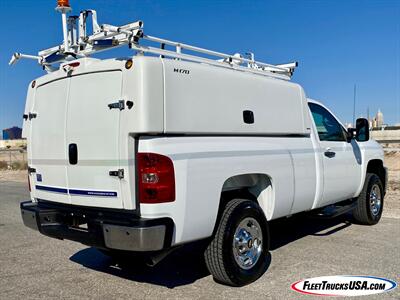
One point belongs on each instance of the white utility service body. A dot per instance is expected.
(196, 119)
(148, 152)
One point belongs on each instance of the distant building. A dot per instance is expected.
(378, 121)
(379, 118)
(13, 133)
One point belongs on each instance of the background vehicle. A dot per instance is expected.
(147, 153)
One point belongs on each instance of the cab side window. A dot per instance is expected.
(329, 129)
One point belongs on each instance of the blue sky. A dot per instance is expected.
(337, 43)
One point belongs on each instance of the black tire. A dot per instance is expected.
(219, 255)
(363, 212)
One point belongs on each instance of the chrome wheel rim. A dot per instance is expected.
(375, 200)
(247, 243)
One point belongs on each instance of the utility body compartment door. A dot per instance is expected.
(46, 144)
(92, 139)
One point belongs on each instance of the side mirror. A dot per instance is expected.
(362, 130)
(351, 134)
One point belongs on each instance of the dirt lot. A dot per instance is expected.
(11, 175)
(14, 158)
(33, 266)
(392, 204)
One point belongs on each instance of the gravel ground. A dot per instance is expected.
(37, 267)
(33, 266)
(13, 176)
(392, 198)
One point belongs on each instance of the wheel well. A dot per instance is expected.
(254, 187)
(376, 166)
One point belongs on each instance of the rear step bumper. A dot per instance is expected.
(102, 228)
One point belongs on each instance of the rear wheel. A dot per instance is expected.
(238, 253)
(370, 201)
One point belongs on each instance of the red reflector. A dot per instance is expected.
(156, 178)
(74, 64)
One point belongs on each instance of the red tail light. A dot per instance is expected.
(156, 178)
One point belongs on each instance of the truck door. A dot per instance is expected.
(341, 162)
(92, 140)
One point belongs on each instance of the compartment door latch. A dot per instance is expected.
(119, 105)
(119, 173)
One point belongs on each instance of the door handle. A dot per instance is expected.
(73, 154)
(329, 153)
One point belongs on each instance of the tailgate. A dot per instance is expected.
(75, 140)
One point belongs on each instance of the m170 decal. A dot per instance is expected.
(181, 71)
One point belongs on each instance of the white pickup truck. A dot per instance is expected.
(147, 153)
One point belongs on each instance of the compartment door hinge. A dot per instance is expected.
(119, 173)
(31, 170)
(120, 105)
(32, 115)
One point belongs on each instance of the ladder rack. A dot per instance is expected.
(77, 44)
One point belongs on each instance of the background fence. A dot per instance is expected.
(13, 159)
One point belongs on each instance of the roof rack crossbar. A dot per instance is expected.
(279, 68)
(105, 37)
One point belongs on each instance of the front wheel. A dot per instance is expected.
(370, 201)
(238, 253)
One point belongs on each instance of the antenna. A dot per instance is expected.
(354, 104)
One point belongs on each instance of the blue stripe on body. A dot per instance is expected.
(76, 192)
(52, 189)
(93, 193)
